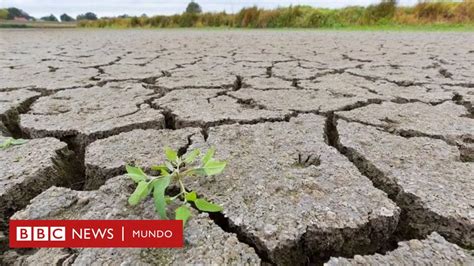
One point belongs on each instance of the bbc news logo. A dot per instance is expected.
(40, 233)
(96, 233)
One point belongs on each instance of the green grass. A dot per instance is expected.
(394, 27)
(35, 24)
(14, 26)
(383, 27)
(436, 27)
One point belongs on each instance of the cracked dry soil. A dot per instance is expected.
(345, 148)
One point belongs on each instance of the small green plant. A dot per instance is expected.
(173, 171)
(10, 142)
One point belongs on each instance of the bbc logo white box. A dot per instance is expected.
(57, 233)
(23, 233)
(41, 233)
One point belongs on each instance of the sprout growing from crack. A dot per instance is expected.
(173, 171)
(11, 142)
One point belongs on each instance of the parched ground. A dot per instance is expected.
(342, 147)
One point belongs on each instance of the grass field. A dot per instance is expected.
(432, 27)
(35, 24)
(386, 27)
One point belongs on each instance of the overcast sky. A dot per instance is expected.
(38, 8)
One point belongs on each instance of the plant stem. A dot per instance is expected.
(183, 190)
(173, 198)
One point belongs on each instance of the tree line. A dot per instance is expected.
(383, 13)
(13, 13)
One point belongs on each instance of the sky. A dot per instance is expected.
(39, 8)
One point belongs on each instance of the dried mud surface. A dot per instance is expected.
(345, 148)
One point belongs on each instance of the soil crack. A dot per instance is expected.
(411, 206)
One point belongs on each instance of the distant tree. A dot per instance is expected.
(3, 13)
(124, 16)
(87, 16)
(193, 8)
(16, 12)
(50, 18)
(66, 18)
(91, 16)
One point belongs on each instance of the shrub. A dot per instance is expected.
(464, 12)
(434, 11)
(188, 19)
(353, 15)
(247, 17)
(380, 12)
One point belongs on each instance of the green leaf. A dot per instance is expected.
(18, 141)
(214, 167)
(11, 141)
(136, 173)
(183, 213)
(162, 168)
(208, 156)
(6, 143)
(141, 191)
(191, 196)
(171, 155)
(190, 157)
(160, 186)
(197, 171)
(206, 206)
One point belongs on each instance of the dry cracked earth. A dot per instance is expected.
(343, 148)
